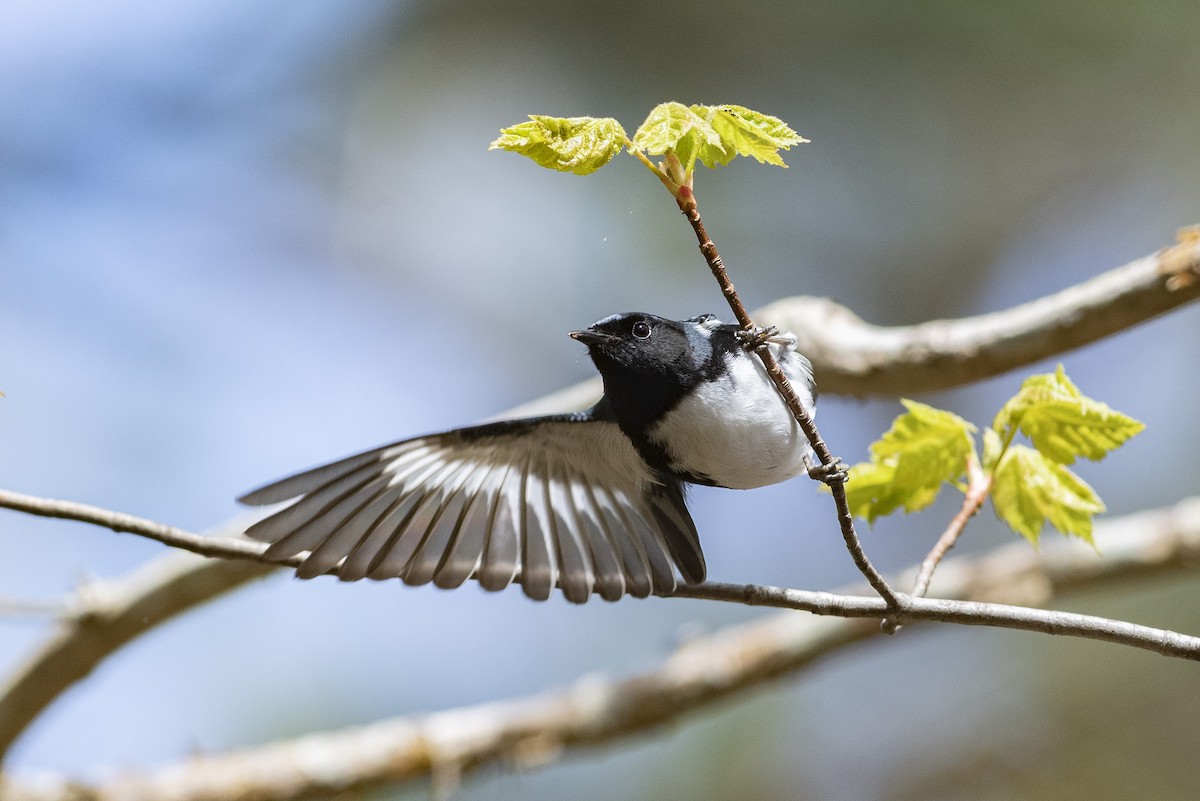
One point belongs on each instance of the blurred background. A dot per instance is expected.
(238, 239)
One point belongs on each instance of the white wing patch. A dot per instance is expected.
(545, 502)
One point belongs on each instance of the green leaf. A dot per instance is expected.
(1030, 490)
(872, 491)
(748, 133)
(674, 126)
(580, 145)
(1062, 422)
(928, 445)
(714, 135)
(924, 448)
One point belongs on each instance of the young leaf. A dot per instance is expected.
(924, 448)
(714, 134)
(872, 491)
(580, 145)
(748, 133)
(1030, 489)
(1062, 422)
(674, 126)
(928, 445)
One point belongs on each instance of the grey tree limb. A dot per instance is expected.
(853, 357)
(704, 671)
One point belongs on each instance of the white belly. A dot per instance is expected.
(736, 430)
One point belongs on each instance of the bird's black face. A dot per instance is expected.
(648, 362)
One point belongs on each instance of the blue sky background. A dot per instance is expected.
(240, 239)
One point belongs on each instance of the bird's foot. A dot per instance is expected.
(835, 472)
(758, 336)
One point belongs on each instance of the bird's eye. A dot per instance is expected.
(641, 330)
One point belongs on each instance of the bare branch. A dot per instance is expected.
(130, 524)
(103, 616)
(704, 671)
(853, 357)
(979, 486)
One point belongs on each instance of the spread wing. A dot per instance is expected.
(546, 501)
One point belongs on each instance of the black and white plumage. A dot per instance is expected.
(590, 502)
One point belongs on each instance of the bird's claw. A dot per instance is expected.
(835, 472)
(758, 336)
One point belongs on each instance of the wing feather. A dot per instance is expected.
(279, 527)
(539, 567)
(501, 551)
(556, 501)
(452, 502)
(633, 555)
(576, 575)
(462, 556)
(609, 575)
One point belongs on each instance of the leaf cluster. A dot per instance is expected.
(1029, 485)
(712, 135)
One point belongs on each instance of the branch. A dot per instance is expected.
(103, 616)
(166, 588)
(820, 603)
(704, 671)
(853, 357)
(979, 486)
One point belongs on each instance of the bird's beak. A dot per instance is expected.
(590, 337)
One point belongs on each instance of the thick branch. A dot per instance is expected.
(853, 357)
(76, 649)
(703, 672)
(103, 616)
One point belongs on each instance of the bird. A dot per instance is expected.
(590, 502)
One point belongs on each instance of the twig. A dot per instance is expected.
(835, 478)
(21, 607)
(852, 356)
(821, 603)
(705, 670)
(979, 485)
(131, 524)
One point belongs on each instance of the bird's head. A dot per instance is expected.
(649, 361)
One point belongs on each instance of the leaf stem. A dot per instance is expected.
(687, 203)
(642, 157)
(979, 486)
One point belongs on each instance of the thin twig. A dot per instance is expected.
(828, 603)
(22, 607)
(599, 709)
(979, 485)
(836, 478)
